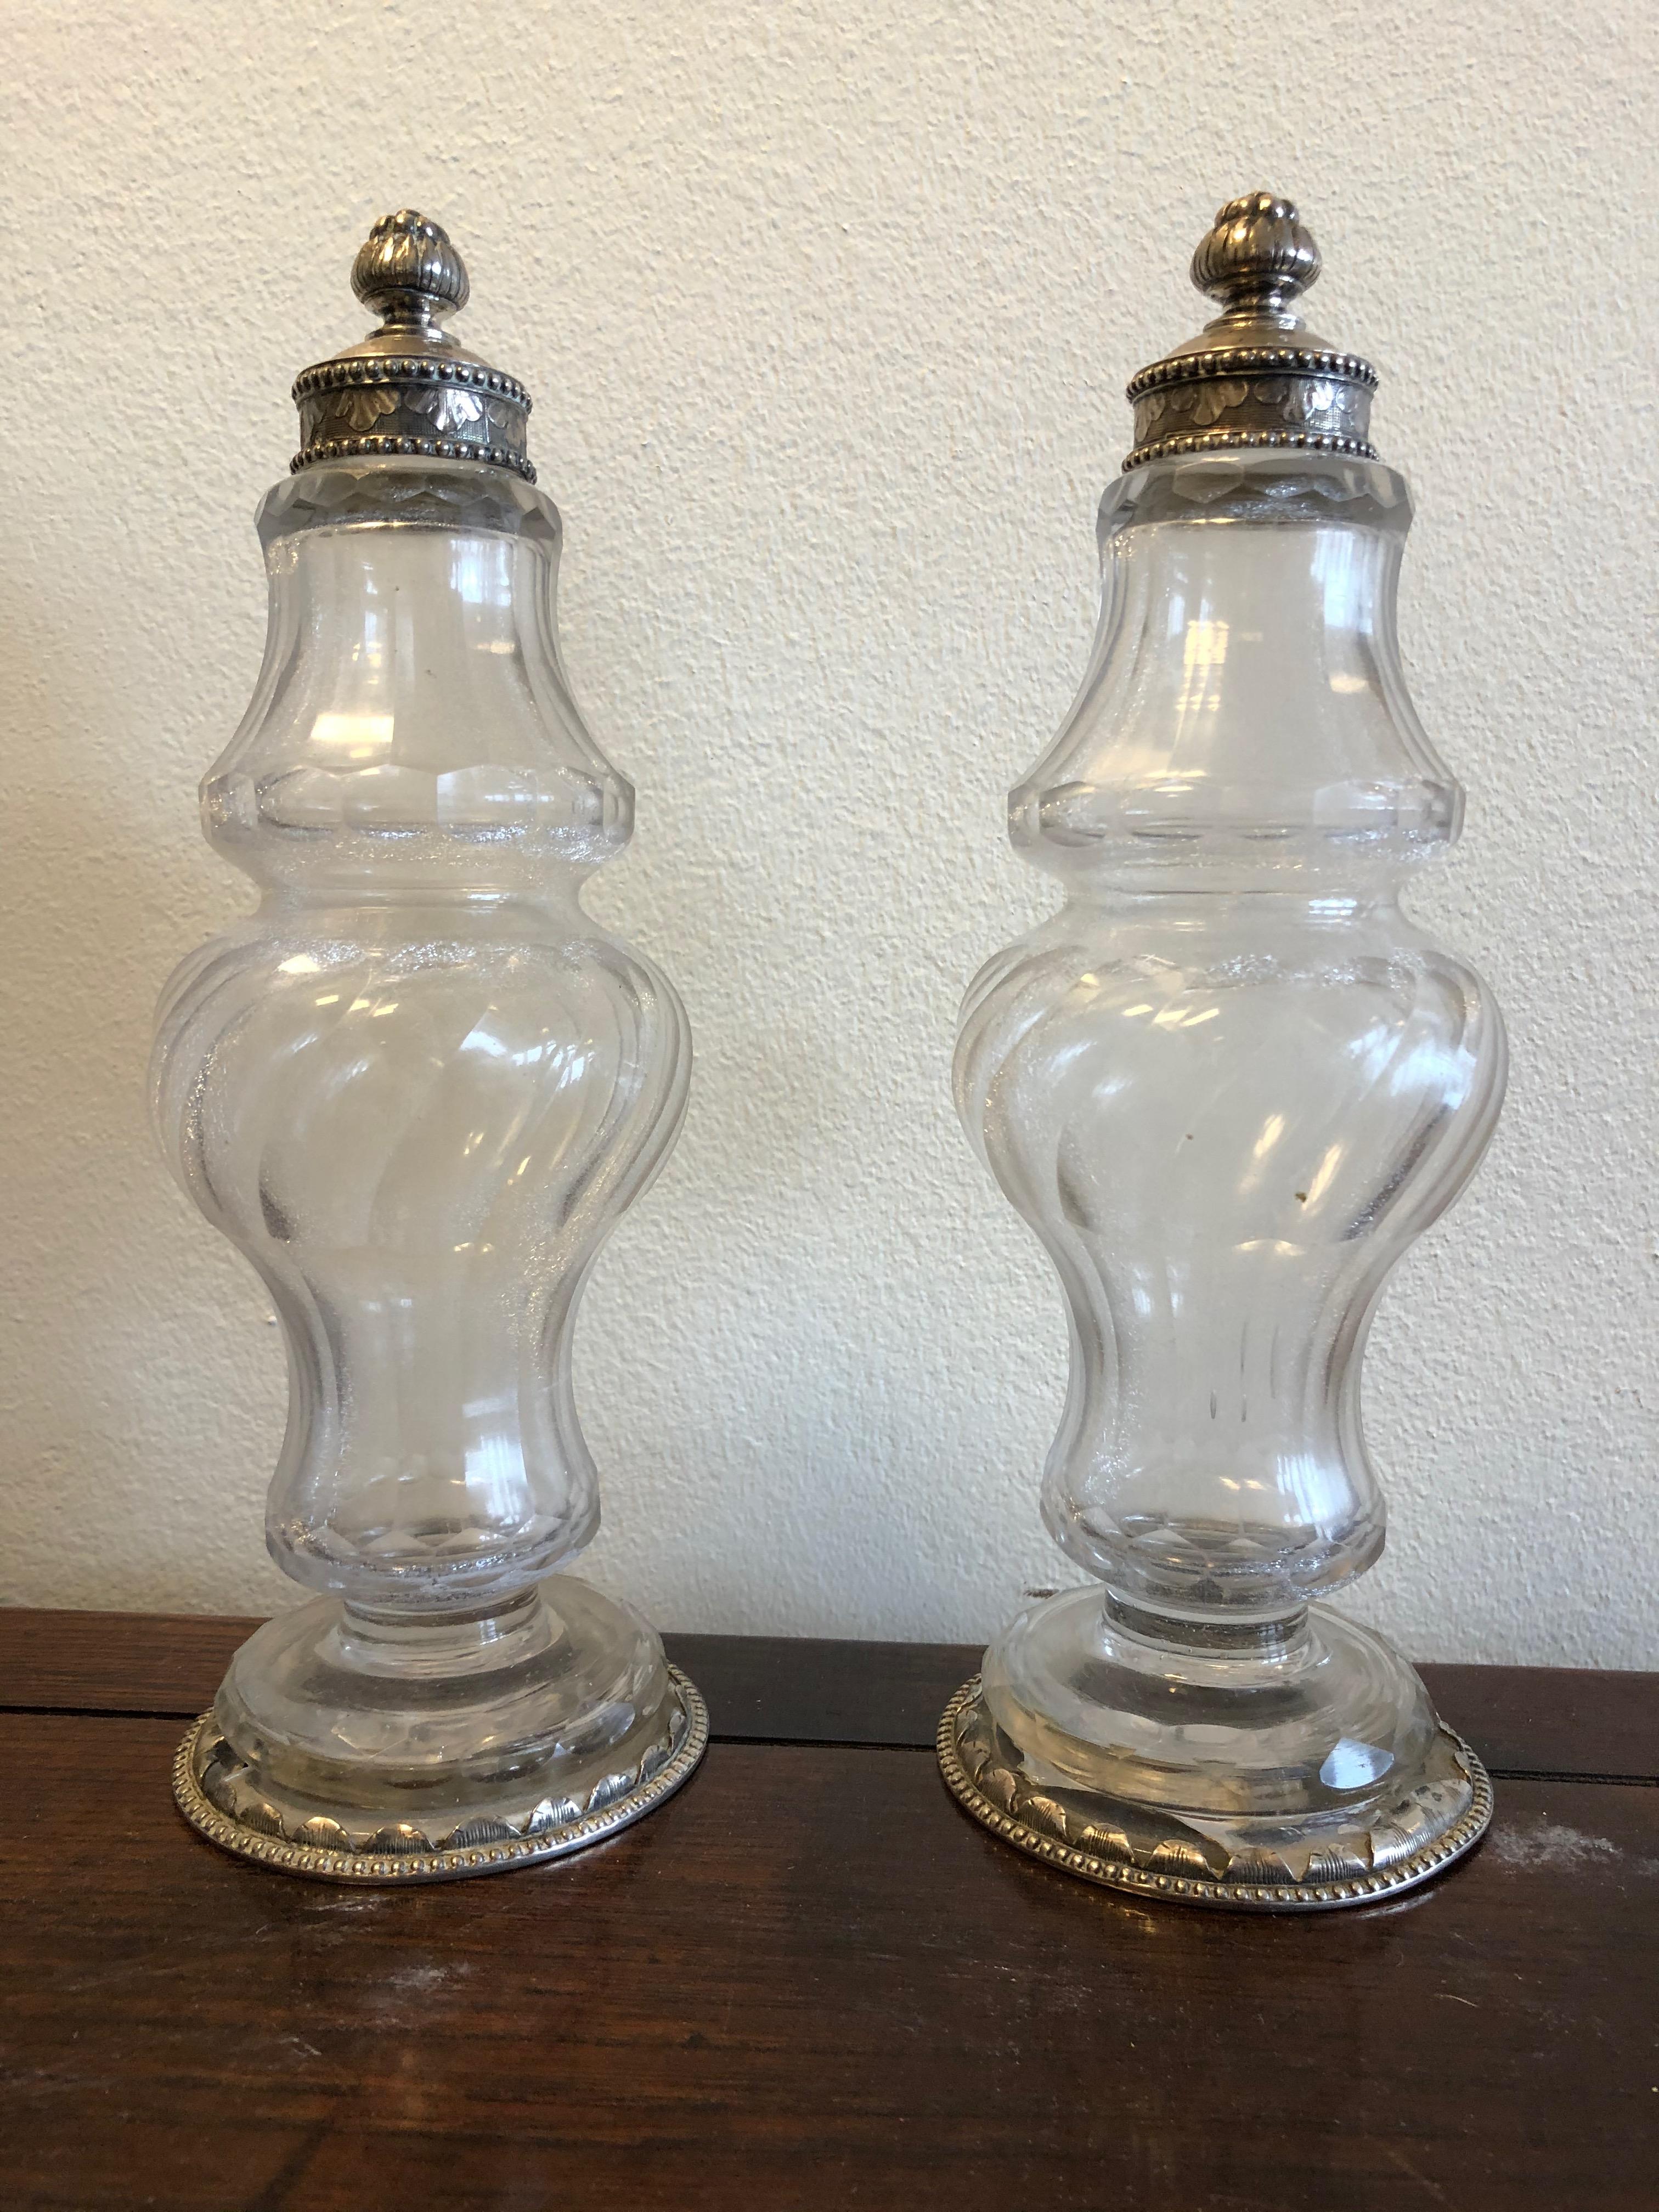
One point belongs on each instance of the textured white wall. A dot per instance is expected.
(828, 309)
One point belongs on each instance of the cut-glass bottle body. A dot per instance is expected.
(418, 1086)
(417, 1089)
(1227, 1084)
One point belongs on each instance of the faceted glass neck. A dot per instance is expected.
(412, 728)
(1244, 723)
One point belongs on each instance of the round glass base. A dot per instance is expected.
(369, 1747)
(1109, 1842)
(1296, 1764)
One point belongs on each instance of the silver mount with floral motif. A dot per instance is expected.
(409, 388)
(1256, 375)
(217, 1792)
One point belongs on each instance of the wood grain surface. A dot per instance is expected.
(806, 1982)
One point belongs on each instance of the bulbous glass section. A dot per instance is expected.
(417, 1089)
(1225, 1114)
(1227, 1084)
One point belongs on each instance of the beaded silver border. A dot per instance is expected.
(1235, 361)
(448, 1864)
(364, 369)
(438, 449)
(1187, 1889)
(1210, 441)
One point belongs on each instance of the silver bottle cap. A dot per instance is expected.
(1256, 375)
(409, 387)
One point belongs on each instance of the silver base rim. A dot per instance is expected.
(1146, 1882)
(452, 1864)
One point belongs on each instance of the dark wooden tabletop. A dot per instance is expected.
(808, 1981)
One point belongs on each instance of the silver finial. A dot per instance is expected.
(407, 272)
(1256, 259)
(1254, 376)
(409, 388)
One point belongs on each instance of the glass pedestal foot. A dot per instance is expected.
(1289, 1766)
(373, 1747)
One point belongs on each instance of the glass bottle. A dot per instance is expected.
(1227, 1084)
(417, 1089)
